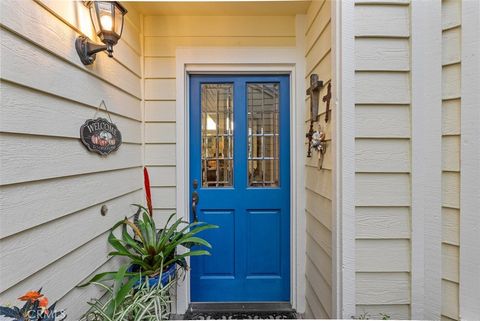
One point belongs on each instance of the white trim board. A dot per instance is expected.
(343, 113)
(220, 60)
(469, 295)
(426, 142)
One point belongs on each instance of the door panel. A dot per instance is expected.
(223, 262)
(240, 154)
(263, 236)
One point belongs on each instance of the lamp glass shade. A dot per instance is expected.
(104, 14)
(107, 18)
(93, 16)
(118, 25)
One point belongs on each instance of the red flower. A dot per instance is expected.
(147, 190)
(31, 296)
(43, 302)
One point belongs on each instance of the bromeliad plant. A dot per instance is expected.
(151, 249)
(35, 309)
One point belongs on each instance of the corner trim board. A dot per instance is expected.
(343, 113)
(469, 294)
(426, 143)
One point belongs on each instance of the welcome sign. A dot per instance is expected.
(100, 136)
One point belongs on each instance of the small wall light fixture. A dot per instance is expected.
(107, 18)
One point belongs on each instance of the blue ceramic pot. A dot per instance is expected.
(167, 275)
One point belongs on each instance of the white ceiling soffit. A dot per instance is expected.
(225, 8)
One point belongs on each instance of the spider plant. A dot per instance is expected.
(146, 303)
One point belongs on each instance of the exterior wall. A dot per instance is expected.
(318, 182)
(163, 34)
(382, 147)
(52, 234)
(451, 74)
(384, 95)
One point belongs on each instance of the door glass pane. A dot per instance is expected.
(217, 135)
(263, 135)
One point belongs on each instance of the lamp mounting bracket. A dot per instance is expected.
(87, 50)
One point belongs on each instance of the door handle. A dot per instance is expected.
(195, 199)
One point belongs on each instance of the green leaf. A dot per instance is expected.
(142, 228)
(200, 229)
(189, 253)
(196, 241)
(166, 237)
(141, 207)
(148, 229)
(203, 227)
(187, 227)
(165, 227)
(123, 291)
(142, 263)
(116, 244)
(169, 219)
(130, 241)
(105, 276)
(119, 277)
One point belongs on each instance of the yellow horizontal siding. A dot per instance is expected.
(318, 182)
(383, 158)
(47, 93)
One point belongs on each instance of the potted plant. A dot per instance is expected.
(35, 309)
(145, 303)
(152, 264)
(153, 252)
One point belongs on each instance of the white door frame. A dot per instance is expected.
(253, 61)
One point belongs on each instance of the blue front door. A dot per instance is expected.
(240, 168)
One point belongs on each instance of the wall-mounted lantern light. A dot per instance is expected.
(107, 18)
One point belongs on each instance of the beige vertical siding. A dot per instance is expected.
(163, 34)
(382, 104)
(52, 188)
(451, 69)
(318, 182)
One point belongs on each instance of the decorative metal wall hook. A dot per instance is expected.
(314, 92)
(326, 99)
(309, 136)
